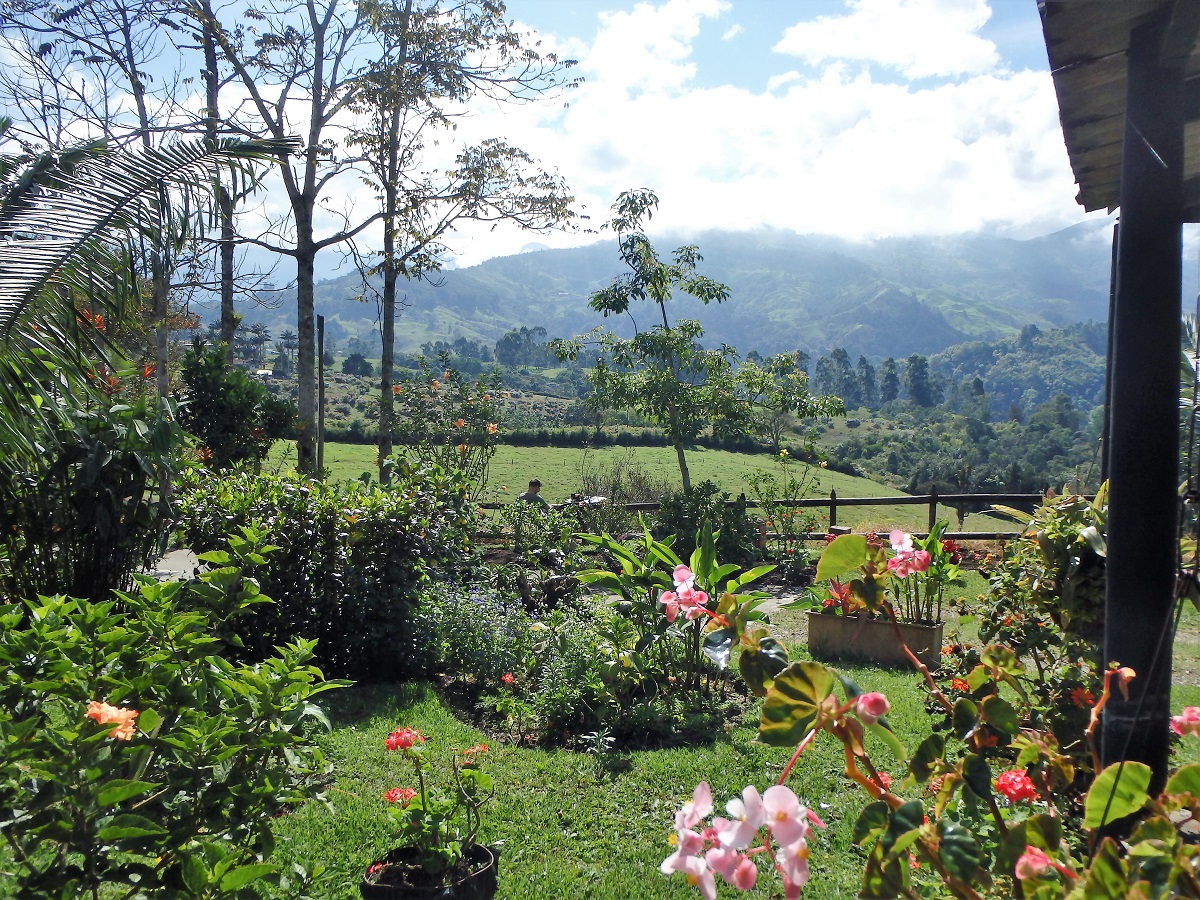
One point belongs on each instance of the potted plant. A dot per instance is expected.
(438, 856)
(894, 599)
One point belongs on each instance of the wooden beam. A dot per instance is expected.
(1144, 383)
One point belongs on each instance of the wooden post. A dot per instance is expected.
(933, 502)
(832, 508)
(1144, 439)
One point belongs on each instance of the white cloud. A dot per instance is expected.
(920, 38)
(732, 32)
(833, 151)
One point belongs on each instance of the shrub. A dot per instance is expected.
(90, 514)
(235, 417)
(683, 515)
(135, 759)
(475, 632)
(352, 562)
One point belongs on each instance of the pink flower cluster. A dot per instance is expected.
(400, 795)
(1016, 786)
(723, 847)
(684, 597)
(871, 707)
(1187, 722)
(907, 560)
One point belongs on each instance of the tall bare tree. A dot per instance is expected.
(434, 55)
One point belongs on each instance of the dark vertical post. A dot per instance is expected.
(933, 502)
(320, 397)
(832, 508)
(1144, 386)
(1106, 432)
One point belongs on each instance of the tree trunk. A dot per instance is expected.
(306, 368)
(683, 467)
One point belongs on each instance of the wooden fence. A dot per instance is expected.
(832, 503)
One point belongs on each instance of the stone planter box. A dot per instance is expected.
(872, 639)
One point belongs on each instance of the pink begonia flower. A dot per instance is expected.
(670, 605)
(745, 874)
(695, 868)
(907, 562)
(1187, 722)
(749, 816)
(784, 815)
(901, 541)
(793, 863)
(1033, 863)
(870, 707)
(699, 807)
(724, 861)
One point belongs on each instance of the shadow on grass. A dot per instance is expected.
(363, 701)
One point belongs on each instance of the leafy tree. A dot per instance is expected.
(524, 347)
(356, 364)
(777, 393)
(918, 384)
(868, 389)
(434, 56)
(845, 382)
(662, 373)
(236, 418)
(889, 381)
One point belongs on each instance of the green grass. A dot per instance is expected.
(573, 826)
(559, 470)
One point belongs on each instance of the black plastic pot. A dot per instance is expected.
(474, 878)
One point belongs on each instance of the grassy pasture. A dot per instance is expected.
(559, 470)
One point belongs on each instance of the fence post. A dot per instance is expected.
(933, 501)
(832, 508)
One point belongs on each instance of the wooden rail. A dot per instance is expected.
(833, 503)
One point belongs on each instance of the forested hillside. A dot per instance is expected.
(889, 298)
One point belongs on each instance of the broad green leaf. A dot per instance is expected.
(997, 656)
(999, 713)
(903, 825)
(1185, 781)
(195, 873)
(928, 754)
(761, 665)
(748, 577)
(1106, 878)
(977, 774)
(129, 825)
(243, 875)
(958, 851)
(882, 731)
(843, 553)
(872, 822)
(148, 720)
(883, 878)
(1118, 791)
(793, 699)
(965, 717)
(119, 789)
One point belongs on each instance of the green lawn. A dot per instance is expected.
(559, 470)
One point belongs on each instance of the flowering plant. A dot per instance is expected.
(905, 578)
(438, 828)
(992, 805)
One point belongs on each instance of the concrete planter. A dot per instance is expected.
(832, 636)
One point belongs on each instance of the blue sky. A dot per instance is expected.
(858, 118)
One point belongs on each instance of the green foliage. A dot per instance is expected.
(178, 803)
(474, 631)
(236, 418)
(795, 480)
(356, 364)
(683, 515)
(448, 420)
(82, 519)
(352, 561)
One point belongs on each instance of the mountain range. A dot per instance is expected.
(892, 297)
